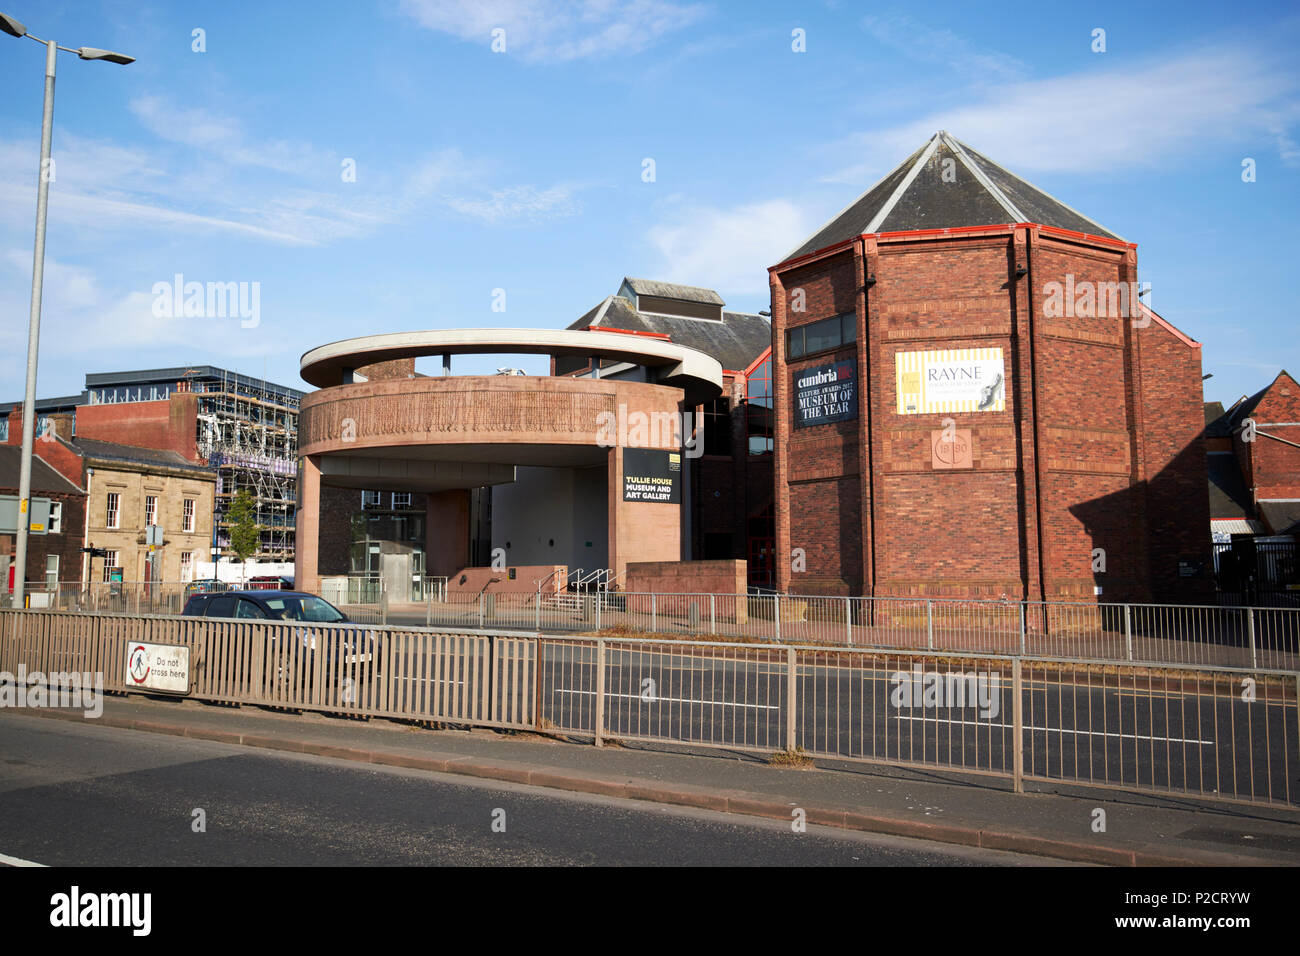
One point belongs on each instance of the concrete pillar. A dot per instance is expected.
(306, 576)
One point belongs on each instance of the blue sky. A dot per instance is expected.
(522, 170)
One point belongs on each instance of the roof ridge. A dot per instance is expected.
(989, 185)
(1064, 205)
(883, 212)
(604, 307)
(856, 199)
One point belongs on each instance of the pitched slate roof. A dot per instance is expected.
(735, 341)
(44, 477)
(943, 185)
(112, 451)
(1280, 514)
(1229, 496)
(669, 290)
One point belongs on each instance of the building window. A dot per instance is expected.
(717, 427)
(370, 499)
(758, 412)
(114, 512)
(56, 517)
(150, 510)
(187, 565)
(820, 336)
(187, 515)
(110, 565)
(401, 499)
(51, 572)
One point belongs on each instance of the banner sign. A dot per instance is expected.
(164, 667)
(826, 393)
(950, 380)
(650, 475)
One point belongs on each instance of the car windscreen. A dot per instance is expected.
(303, 609)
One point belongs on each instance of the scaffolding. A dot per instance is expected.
(248, 432)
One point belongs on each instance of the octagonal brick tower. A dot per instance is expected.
(971, 402)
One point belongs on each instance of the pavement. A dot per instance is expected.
(1107, 827)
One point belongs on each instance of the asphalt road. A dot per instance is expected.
(77, 795)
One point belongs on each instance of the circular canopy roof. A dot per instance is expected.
(700, 375)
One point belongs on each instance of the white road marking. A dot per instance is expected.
(14, 861)
(671, 700)
(1057, 730)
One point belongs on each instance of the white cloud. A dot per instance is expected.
(517, 203)
(557, 30)
(111, 189)
(223, 136)
(1105, 120)
(728, 249)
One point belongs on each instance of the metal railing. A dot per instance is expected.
(1151, 633)
(1267, 637)
(1213, 732)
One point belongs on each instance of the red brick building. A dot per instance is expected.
(970, 401)
(1254, 460)
(54, 552)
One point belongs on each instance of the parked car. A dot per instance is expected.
(267, 582)
(205, 585)
(348, 646)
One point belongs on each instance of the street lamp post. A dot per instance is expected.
(15, 29)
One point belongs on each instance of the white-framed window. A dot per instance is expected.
(114, 510)
(51, 572)
(150, 510)
(110, 562)
(401, 499)
(370, 499)
(187, 565)
(56, 517)
(187, 515)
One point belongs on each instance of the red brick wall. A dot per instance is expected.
(1177, 500)
(52, 451)
(1275, 467)
(170, 425)
(1066, 468)
(686, 577)
(67, 544)
(821, 490)
(380, 371)
(1089, 473)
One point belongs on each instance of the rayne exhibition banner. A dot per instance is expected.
(950, 380)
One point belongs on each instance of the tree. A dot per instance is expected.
(245, 532)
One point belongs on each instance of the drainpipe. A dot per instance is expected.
(85, 534)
